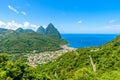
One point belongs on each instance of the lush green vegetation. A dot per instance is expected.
(41, 30)
(17, 70)
(29, 41)
(49, 30)
(75, 65)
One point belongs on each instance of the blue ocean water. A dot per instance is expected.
(87, 40)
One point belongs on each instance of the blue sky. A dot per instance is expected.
(68, 16)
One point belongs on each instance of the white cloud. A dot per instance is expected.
(33, 25)
(79, 22)
(13, 9)
(112, 21)
(26, 24)
(44, 26)
(23, 13)
(13, 25)
(2, 23)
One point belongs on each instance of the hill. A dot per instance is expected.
(20, 30)
(98, 63)
(3, 31)
(101, 63)
(28, 41)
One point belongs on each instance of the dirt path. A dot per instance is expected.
(92, 63)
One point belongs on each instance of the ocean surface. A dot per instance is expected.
(87, 40)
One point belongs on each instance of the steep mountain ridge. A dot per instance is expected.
(50, 30)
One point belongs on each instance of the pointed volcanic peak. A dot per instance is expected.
(52, 31)
(41, 30)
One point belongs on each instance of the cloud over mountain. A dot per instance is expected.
(14, 25)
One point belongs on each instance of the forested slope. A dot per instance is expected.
(75, 65)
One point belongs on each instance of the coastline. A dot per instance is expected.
(66, 47)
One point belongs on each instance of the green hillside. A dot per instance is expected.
(20, 30)
(2, 31)
(96, 63)
(28, 41)
(52, 31)
(77, 65)
(101, 63)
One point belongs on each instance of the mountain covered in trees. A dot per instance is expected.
(93, 63)
(96, 63)
(50, 30)
(41, 30)
(20, 30)
(2, 31)
(28, 41)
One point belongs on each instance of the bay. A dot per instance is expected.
(87, 40)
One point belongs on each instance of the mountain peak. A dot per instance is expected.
(51, 30)
(41, 30)
(50, 25)
(19, 30)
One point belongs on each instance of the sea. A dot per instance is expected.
(87, 40)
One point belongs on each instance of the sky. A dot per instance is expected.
(68, 16)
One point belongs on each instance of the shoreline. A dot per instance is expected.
(66, 47)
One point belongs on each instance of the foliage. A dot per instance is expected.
(41, 30)
(16, 70)
(30, 42)
(73, 65)
(76, 65)
(52, 31)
